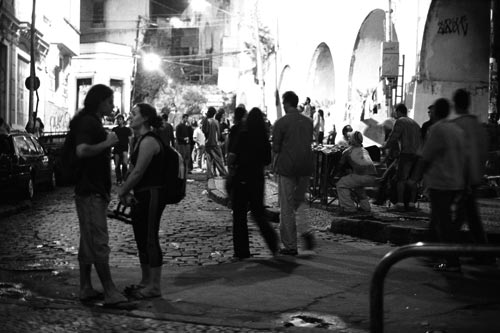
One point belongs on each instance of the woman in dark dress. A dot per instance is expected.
(247, 158)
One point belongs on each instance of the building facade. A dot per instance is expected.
(331, 51)
(56, 43)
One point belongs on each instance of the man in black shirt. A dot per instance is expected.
(184, 135)
(120, 150)
(92, 192)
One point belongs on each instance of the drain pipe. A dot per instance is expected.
(493, 68)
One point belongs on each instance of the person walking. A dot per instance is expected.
(444, 160)
(363, 174)
(213, 152)
(120, 150)
(166, 132)
(92, 146)
(184, 136)
(292, 139)
(406, 137)
(199, 146)
(147, 163)
(476, 152)
(240, 114)
(248, 155)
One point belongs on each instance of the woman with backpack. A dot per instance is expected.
(247, 157)
(149, 199)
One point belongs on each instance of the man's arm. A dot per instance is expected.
(86, 150)
(396, 133)
(277, 138)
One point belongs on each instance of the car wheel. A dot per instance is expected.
(52, 181)
(28, 189)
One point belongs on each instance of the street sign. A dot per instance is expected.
(27, 83)
(390, 60)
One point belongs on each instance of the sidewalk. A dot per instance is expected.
(381, 225)
(327, 288)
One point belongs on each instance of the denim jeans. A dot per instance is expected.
(292, 191)
(357, 183)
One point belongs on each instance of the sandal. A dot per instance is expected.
(129, 290)
(140, 295)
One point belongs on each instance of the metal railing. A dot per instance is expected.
(414, 250)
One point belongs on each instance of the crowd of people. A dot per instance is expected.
(446, 156)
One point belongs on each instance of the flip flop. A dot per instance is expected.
(138, 295)
(132, 288)
(97, 296)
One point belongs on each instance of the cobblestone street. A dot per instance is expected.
(43, 241)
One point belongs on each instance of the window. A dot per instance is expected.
(98, 13)
(22, 145)
(22, 110)
(38, 147)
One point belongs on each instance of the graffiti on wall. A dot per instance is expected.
(59, 121)
(456, 25)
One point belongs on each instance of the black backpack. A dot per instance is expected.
(174, 175)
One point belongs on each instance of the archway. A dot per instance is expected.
(366, 102)
(455, 54)
(321, 81)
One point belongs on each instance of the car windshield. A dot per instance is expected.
(5, 146)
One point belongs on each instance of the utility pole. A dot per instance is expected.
(277, 94)
(134, 70)
(493, 68)
(259, 62)
(32, 115)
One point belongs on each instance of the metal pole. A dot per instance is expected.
(277, 94)
(260, 67)
(134, 70)
(493, 68)
(414, 250)
(31, 115)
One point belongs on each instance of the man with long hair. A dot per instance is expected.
(92, 192)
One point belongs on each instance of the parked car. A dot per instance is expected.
(53, 143)
(25, 165)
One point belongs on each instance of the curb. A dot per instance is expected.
(383, 232)
(14, 209)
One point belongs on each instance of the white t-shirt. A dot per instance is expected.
(198, 136)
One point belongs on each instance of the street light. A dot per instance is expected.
(151, 61)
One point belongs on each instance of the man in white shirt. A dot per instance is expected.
(199, 146)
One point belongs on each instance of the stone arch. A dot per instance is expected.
(286, 81)
(365, 98)
(455, 54)
(321, 80)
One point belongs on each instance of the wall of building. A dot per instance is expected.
(439, 57)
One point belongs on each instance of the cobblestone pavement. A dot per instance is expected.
(195, 232)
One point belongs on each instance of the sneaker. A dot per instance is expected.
(309, 241)
(288, 252)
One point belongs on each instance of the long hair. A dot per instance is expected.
(95, 96)
(149, 113)
(256, 126)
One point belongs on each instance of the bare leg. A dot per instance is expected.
(111, 294)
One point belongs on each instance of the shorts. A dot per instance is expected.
(406, 163)
(94, 237)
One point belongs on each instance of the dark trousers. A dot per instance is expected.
(442, 224)
(245, 194)
(120, 159)
(146, 224)
(468, 210)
